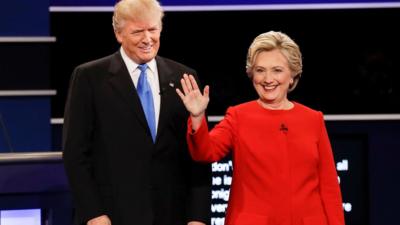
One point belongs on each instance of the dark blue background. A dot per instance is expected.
(24, 18)
(205, 2)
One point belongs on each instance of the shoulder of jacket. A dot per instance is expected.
(172, 63)
(309, 111)
(104, 61)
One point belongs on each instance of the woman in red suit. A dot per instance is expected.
(284, 172)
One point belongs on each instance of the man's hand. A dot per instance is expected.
(101, 220)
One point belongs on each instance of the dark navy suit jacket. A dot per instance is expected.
(112, 164)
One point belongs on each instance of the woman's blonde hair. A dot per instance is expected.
(276, 40)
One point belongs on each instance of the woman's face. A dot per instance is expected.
(271, 77)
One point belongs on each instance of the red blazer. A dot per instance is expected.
(284, 171)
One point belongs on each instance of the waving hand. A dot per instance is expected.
(194, 101)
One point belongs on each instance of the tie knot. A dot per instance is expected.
(142, 67)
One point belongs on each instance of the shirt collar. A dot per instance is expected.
(132, 65)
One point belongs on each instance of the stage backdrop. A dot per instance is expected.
(216, 2)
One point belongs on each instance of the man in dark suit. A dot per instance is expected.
(125, 151)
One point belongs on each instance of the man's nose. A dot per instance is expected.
(146, 37)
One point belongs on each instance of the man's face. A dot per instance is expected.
(140, 39)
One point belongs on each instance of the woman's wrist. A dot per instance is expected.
(199, 115)
(196, 121)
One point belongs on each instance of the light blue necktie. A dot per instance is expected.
(146, 98)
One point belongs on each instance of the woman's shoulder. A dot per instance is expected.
(250, 105)
(303, 109)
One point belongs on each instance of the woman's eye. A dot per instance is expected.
(259, 70)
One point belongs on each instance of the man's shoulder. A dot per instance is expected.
(173, 64)
(98, 63)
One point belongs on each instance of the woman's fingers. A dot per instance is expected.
(187, 81)
(193, 82)
(181, 95)
(206, 91)
(184, 86)
(189, 85)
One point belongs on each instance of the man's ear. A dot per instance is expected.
(118, 36)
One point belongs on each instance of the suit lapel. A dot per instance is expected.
(122, 83)
(167, 79)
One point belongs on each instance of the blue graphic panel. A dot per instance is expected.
(24, 18)
(17, 217)
(25, 124)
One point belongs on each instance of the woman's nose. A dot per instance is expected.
(268, 78)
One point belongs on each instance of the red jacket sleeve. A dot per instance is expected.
(214, 145)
